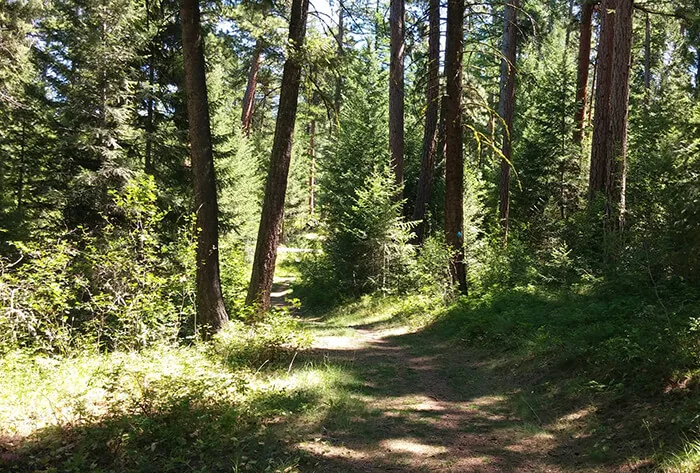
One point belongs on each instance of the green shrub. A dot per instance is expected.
(254, 345)
(121, 287)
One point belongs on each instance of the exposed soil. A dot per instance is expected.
(418, 422)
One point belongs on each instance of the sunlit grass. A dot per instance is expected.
(383, 312)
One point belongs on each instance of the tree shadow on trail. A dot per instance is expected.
(568, 382)
(490, 387)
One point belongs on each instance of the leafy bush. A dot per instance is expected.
(38, 292)
(240, 343)
(121, 287)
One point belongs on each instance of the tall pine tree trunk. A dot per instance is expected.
(339, 78)
(454, 159)
(601, 118)
(396, 91)
(150, 128)
(312, 166)
(506, 109)
(584, 59)
(425, 181)
(210, 303)
(276, 185)
(647, 56)
(249, 96)
(619, 112)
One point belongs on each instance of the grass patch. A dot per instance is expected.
(204, 408)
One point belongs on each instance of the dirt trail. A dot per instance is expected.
(417, 420)
(422, 405)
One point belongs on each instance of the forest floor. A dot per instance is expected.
(511, 383)
(417, 403)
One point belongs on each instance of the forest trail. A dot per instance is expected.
(420, 412)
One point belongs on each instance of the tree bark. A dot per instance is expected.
(647, 56)
(312, 167)
(589, 118)
(619, 112)
(454, 159)
(249, 96)
(148, 161)
(276, 185)
(339, 79)
(601, 118)
(506, 109)
(425, 180)
(210, 303)
(584, 59)
(396, 92)
(22, 165)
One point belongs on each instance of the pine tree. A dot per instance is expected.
(210, 303)
(276, 184)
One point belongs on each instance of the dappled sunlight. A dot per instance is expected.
(326, 449)
(412, 446)
(333, 342)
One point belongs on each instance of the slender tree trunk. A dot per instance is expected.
(442, 127)
(276, 185)
(249, 96)
(454, 159)
(396, 91)
(210, 303)
(506, 109)
(425, 181)
(619, 112)
(22, 164)
(697, 72)
(601, 118)
(148, 161)
(589, 119)
(647, 56)
(584, 59)
(312, 167)
(339, 79)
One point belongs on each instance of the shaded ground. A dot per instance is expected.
(417, 402)
(424, 407)
(373, 394)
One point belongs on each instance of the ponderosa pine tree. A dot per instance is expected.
(276, 184)
(454, 158)
(340, 38)
(506, 109)
(249, 96)
(396, 91)
(619, 113)
(601, 118)
(584, 59)
(425, 180)
(210, 302)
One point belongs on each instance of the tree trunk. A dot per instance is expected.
(249, 96)
(148, 161)
(601, 118)
(647, 56)
(396, 92)
(589, 118)
(210, 303)
(20, 171)
(442, 126)
(506, 109)
(619, 112)
(339, 79)
(584, 59)
(454, 159)
(697, 72)
(312, 167)
(425, 181)
(276, 185)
